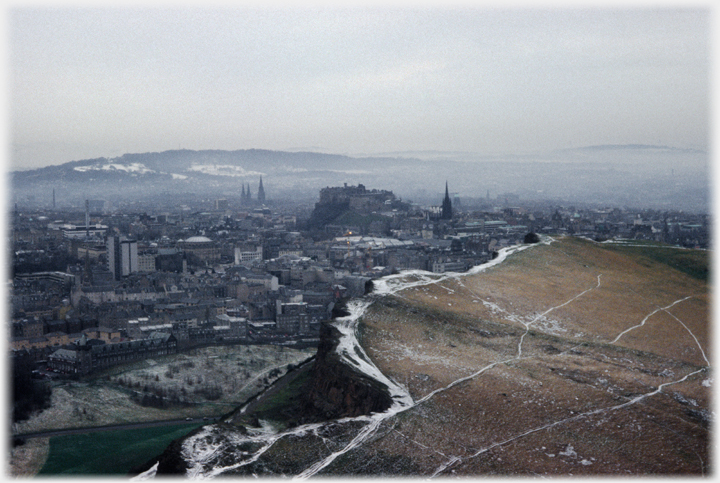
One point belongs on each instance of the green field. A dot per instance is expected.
(691, 262)
(281, 405)
(109, 452)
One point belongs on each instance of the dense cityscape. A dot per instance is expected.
(101, 286)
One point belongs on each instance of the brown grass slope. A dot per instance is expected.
(531, 376)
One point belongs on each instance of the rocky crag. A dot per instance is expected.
(336, 390)
(331, 391)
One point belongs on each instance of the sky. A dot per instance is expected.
(89, 82)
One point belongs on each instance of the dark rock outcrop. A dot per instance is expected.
(336, 390)
(170, 461)
(531, 238)
(326, 213)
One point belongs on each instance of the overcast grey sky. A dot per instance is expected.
(102, 82)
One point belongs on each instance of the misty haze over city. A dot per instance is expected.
(577, 105)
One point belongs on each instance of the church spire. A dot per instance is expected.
(261, 192)
(446, 205)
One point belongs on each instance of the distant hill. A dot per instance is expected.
(638, 147)
(632, 176)
(213, 173)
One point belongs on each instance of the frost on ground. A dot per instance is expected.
(542, 332)
(26, 460)
(202, 382)
(116, 396)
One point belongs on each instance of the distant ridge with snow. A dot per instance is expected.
(633, 175)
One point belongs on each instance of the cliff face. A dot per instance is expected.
(325, 213)
(335, 390)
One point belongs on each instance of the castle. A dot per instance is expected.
(356, 197)
(341, 199)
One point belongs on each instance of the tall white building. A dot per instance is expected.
(122, 256)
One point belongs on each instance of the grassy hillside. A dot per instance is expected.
(565, 359)
(622, 286)
(695, 263)
(569, 358)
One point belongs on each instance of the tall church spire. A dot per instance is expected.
(242, 196)
(446, 205)
(261, 192)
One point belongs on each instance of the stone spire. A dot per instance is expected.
(446, 205)
(261, 192)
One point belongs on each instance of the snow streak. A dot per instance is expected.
(648, 316)
(692, 335)
(146, 475)
(454, 460)
(527, 326)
